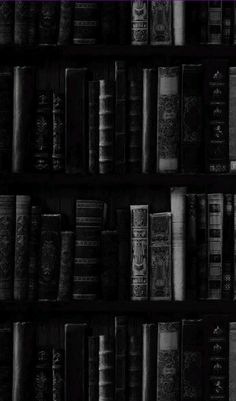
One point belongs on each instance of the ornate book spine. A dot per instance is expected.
(121, 338)
(89, 221)
(215, 244)
(192, 119)
(124, 12)
(109, 265)
(177, 202)
(6, 361)
(58, 374)
(135, 127)
(93, 126)
(109, 22)
(7, 243)
(161, 22)
(6, 23)
(215, 22)
(191, 247)
(23, 104)
(168, 361)
(23, 351)
(49, 256)
(139, 22)
(48, 22)
(227, 22)
(149, 362)
(232, 361)
(139, 252)
(192, 360)
(149, 120)
(232, 119)
(42, 383)
(179, 22)
(58, 138)
(6, 115)
(93, 352)
(106, 369)
(168, 123)
(33, 22)
(34, 240)
(66, 266)
(76, 134)
(228, 247)
(202, 245)
(21, 273)
(135, 364)
(160, 257)
(106, 127)
(65, 23)
(217, 116)
(120, 116)
(21, 23)
(42, 140)
(85, 23)
(123, 229)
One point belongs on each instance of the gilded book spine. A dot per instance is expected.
(215, 22)
(93, 350)
(161, 22)
(65, 22)
(106, 369)
(6, 361)
(85, 23)
(191, 247)
(139, 22)
(42, 383)
(6, 22)
(135, 127)
(109, 265)
(121, 339)
(149, 362)
(232, 119)
(202, 245)
(179, 22)
(106, 127)
(6, 107)
(120, 116)
(93, 126)
(57, 374)
(66, 266)
(58, 134)
(228, 247)
(34, 240)
(160, 256)
(139, 252)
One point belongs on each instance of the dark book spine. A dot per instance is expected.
(34, 239)
(6, 22)
(106, 127)
(21, 273)
(134, 374)
(42, 139)
(120, 116)
(66, 266)
(191, 247)
(93, 126)
(149, 362)
(109, 22)
(109, 265)
(76, 134)
(203, 22)
(124, 32)
(42, 383)
(33, 22)
(23, 106)
(6, 361)
(228, 247)
(58, 137)
(192, 22)
(139, 22)
(161, 22)
(48, 22)
(7, 242)
(6, 115)
(21, 24)
(106, 368)
(149, 120)
(121, 342)
(58, 374)
(135, 127)
(232, 352)
(227, 22)
(192, 119)
(123, 230)
(202, 245)
(65, 23)
(85, 23)
(215, 22)
(93, 352)
(49, 256)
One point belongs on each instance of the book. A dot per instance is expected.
(6, 361)
(6, 23)
(6, 116)
(191, 247)
(149, 377)
(49, 256)
(135, 126)
(160, 22)
(58, 136)
(123, 23)
(85, 23)
(21, 273)
(109, 264)
(65, 23)
(109, 22)
(202, 243)
(193, 23)
(139, 22)
(66, 266)
(93, 126)
(160, 256)
(203, 22)
(33, 22)
(179, 22)
(234, 248)
(228, 247)
(135, 356)
(123, 230)
(215, 245)
(58, 374)
(21, 22)
(48, 22)
(75, 120)
(106, 368)
(232, 119)
(121, 342)
(215, 22)
(177, 206)
(42, 383)
(34, 240)
(232, 354)
(93, 350)
(139, 252)
(120, 116)
(227, 22)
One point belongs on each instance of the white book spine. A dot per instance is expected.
(179, 22)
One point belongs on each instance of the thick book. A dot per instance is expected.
(58, 365)
(161, 23)
(135, 357)
(106, 368)
(93, 126)
(177, 205)
(215, 22)
(123, 230)
(120, 116)
(215, 244)
(149, 376)
(168, 119)
(168, 361)
(202, 242)
(58, 132)
(93, 353)
(135, 126)
(6, 116)
(139, 252)
(21, 22)
(121, 345)
(232, 360)
(7, 245)
(228, 247)
(227, 22)
(23, 106)
(139, 22)
(86, 18)
(232, 119)
(75, 120)
(160, 256)
(106, 127)
(66, 266)
(109, 264)
(191, 247)
(34, 239)
(65, 23)
(42, 382)
(48, 21)
(21, 272)
(49, 256)
(179, 22)
(6, 22)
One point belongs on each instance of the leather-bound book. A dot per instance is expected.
(227, 22)
(6, 115)
(139, 22)
(160, 22)
(49, 256)
(109, 22)
(179, 22)
(42, 383)
(160, 256)
(65, 23)
(93, 352)
(85, 30)
(93, 126)
(106, 368)
(66, 266)
(6, 22)
(33, 22)
(75, 120)
(135, 127)
(228, 247)
(191, 247)
(48, 22)
(135, 357)
(232, 119)
(6, 361)
(34, 239)
(109, 264)
(192, 119)
(215, 22)
(106, 127)
(202, 241)
(58, 382)
(149, 377)
(23, 106)
(58, 136)
(121, 344)
(21, 273)
(23, 360)
(123, 230)
(139, 252)
(124, 11)
(42, 137)
(7, 245)
(120, 117)
(21, 23)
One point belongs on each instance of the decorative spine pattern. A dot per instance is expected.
(58, 139)
(106, 127)
(139, 22)
(161, 22)
(66, 265)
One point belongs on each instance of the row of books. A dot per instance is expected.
(132, 361)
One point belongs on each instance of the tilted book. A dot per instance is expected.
(160, 22)
(86, 17)
(191, 247)
(58, 132)
(215, 22)
(48, 22)
(135, 127)
(139, 22)
(6, 22)
(6, 361)
(93, 351)
(149, 377)
(232, 119)
(202, 242)
(121, 357)
(93, 126)
(109, 264)
(120, 116)
(228, 247)
(106, 368)
(66, 266)
(6, 116)
(65, 23)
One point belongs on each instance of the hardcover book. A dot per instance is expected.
(58, 134)
(93, 350)
(34, 240)
(58, 374)
(93, 126)
(215, 22)
(121, 343)
(66, 266)
(179, 22)
(106, 368)
(227, 22)
(160, 22)
(6, 116)
(21, 22)
(135, 126)
(33, 22)
(191, 247)
(135, 355)
(42, 383)
(202, 242)
(123, 230)
(48, 22)
(149, 377)
(85, 23)
(65, 22)
(232, 119)
(139, 22)
(232, 361)
(120, 116)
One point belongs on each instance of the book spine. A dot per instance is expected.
(168, 361)
(232, 360)
(177, 201)
(192, 22)
(66, 266)
(149, 120)
(179, 22)
(21, 247)
(234, 24)
(232, 119)
(49, 256)
(109, 265)
(168, 123)
(124, 12)
(135, 364)
(34, 240)
(234, 259)
(139, 22)
(106, 127)
(58, 374)
(120, 116)
(21, 22)
(160, 257)
(85, 23)
(75, 135)
(215, 22)
(135, 127)
(202, 245)
(58, 138)
(6, 361)
(33, 22)
(121, 338)
(161, 22)
(93, 352)
(6, 115)
(227, 22)
(203, 21)
(139, 252)
(191, 247)
(42, 383)
(149, 362)
(7, 244)
(48, 22)
(123, 229)
(65, 23)
(228, 247)
(109, 22)
(106, 369)
(215, 244)
(6, 23)
(93, 126)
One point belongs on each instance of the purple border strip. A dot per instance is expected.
(113, 1)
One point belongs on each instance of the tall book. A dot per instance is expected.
(58, 132)
(6, 361)
(168, 123)
(139, 252)
(66, 266)
(179, 22)
(65, 23)
(232, 360)
(215, 22)
(177, 204)
(33, 22)
(75, 120)
(135, 126)
(124, 12)
(85, 23)
(93, 126)
(93, 350)
(106, 368)
(135, 356)
(6, 23)
(202, 242)
(121, 342)
(192, 22)
(120, 116)
(109, 264)
(149, 376)
(123, 230)
(109, 22)
(106, 127)
(160, 256)
(139, 22)
(161, 22)
(6, 115)
(48, 22)
(34, 239)
(21, 22)
(232, 119)
(191, 247)
(227, 22)
(228, 247)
